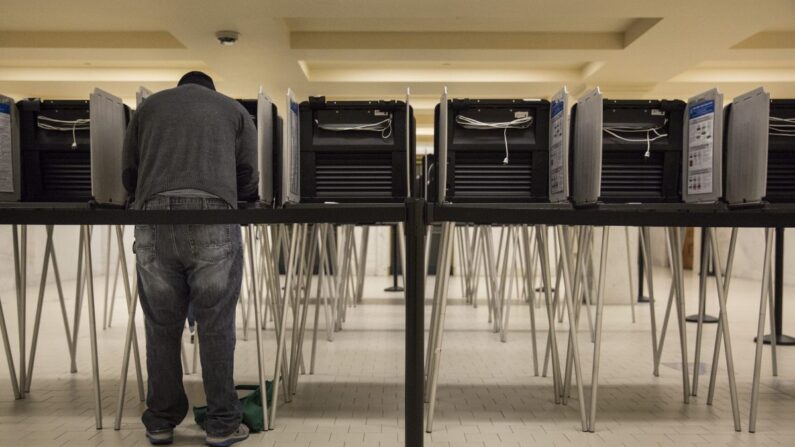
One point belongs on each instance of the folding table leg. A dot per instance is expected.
(362, 262)
(447, 240)
(702, 304)
(300, 328)
(760, 332)
(49, 256)
(577, 291)
(107, 281)
(62, 301)
(115, 283)
(771, 297)
(282, 335)
(718, 335)
(597, 349)
(433, 330)
(80, 281)
(645, 245)
(506, 266)
(552, 344)
(132, 299)
(20, 264)
(9, 358)
(92, 326)
(257, 326)
(727, 277)
(725, 327)
(672, 296)
(676, 248)
(323, 229)
(568, 295)
(629, 275)
(555, 299)
(39, 304)
(530, 283)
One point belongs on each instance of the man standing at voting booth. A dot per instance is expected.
(187, 148)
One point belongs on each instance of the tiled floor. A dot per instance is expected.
(488, 395)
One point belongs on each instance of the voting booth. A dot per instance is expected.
(626, 151)
(56, 150)
(493, 150)
(355, 151)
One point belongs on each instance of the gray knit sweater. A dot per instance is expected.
(191, 137)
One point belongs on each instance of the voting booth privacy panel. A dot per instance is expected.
(109, 117)
(10, 176)
(356, 151)
(559, 119)
(493, 150)
(264, 114)
(746, 148)
(703, 158)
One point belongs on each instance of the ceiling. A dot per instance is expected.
(357, 49)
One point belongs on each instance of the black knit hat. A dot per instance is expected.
(198, 78)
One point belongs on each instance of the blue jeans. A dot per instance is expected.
(200, 266)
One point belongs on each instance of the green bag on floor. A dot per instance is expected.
(252, 407)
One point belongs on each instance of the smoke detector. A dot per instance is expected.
(227, 38)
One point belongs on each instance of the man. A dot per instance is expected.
(186, 148)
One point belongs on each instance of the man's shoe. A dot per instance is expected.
(160, 437)
(241, 434)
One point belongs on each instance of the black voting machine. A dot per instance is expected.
(56, 150)
(641, 150)
(355, 151)
(497, 151)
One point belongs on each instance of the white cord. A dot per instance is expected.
(47, 123)
(384, 126)
(612, 130)
(782, 127)
(519, 123)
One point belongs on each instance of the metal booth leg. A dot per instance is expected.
(724, 285)
(552, 344)
(257, 325)
(563, 240)
(600, 302)
(645, 245)
(281, 338)
(92, 326)
(629, 274)
(760, 331)
(722, 289)
(433, 375)
(676, 248)
(20, 267)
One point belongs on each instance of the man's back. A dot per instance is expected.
(191, 137)
(190, 148)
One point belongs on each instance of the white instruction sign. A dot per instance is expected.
(6, 152)
(557, 177)
(700, 146)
